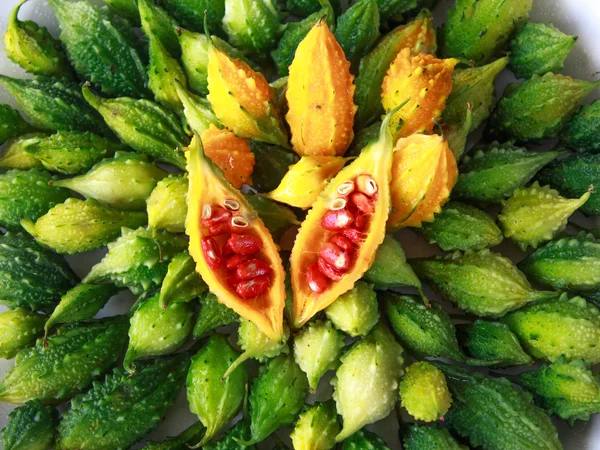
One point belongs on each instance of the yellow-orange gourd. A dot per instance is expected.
(320, 95)
(424, 82)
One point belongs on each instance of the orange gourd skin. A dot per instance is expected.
(207, 186)
(230, 153)
(320, 95)
(374, 161)
(426, 82)
(243, 100)
(423, 175)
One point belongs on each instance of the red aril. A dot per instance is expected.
(217, 214)
(244, 244)
(253, 288)
(211, 252)
(234, 261)
(363, 203)
(342, 242)
(252, 269)
(353, 235)
(218, 228)
(335, 220)
(328, 270)
(360, 223)
(335, 256)
(317, 282)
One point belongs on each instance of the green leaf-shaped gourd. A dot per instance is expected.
(295, 32)
(479, 30)
(182, 283)
(317, 349)
(536, 214)
(511, 419)
(538, 107)
(539, 48)
(462, 227)
(494, 343)
(54, 104)
(366, 383)
(124, 182)
(167, 204)
(258, 345)
(276, 397)
(474, 86)
(127, 9)
(138, 260)
(30, 427)
(270, 166)
(11, 124)
(213, 398)
(191, 13)
(362, 138)
(19, 328)
(364, 440)
(156, 23)
(582, 132)
(15, 156)
(277, 218)
(494, 173)
(570, 262)
(33, 48)
(253, 26)
(101, 51)
(357, 30)
(62, 365)
(355, 312)
(80, 303)
(28, 194)
(483, 283)
(234, 439)
(84, 225)
(120, 411)
(423, 330)
(304, 8)
(569, 390)
(373, 67)
(197, 111)
(573, 177)
(389, 268)
(143, 125)
(558, 327)
(157, 331)
(424, 437)
(188, 438)
(194, 57)
(213, 314)
(424, 392)
(316, 427)
(31, 276)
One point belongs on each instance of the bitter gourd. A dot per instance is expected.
(19, 329)
(30, 427)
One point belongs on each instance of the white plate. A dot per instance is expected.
(579, 17)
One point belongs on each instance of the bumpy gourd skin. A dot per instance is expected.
(424, 392)
(181, 283)
(425, 331)
(157, 23)
(316, 427)
(167, 204)
(19, 329)
(121, 410)
(126, 8)
(582, 132)
(138, 260)
(233, 439)
(364, 440)
(84, 225)
(15, 157)
(494, 173)
(27, 194)
(566, 263)
(101, 51)
(33, 47)
(188, 438)
(558, 327)
(538, 107)
(213, 314)
(571, 391)
(54, 104)
(11, 124)
(357, 30)
(484, 283)
(573, 177)
(30, 427)
(538, 48)
(418, 35)
(493, 342)
(276, 397)
(31, 276)
(190, 13)
(62, 365)
(478, 30)
(536, 214)
(423, 437)
(355, 312)
(389, 268)
(462, 227)
(511, 421)
(366, 383)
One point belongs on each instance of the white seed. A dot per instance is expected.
(239, 222)
(206, 211)
(231, 205)
(338, 203)
(345, 188)
(366, 184)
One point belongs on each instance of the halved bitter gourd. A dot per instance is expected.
(339, 238)
(234, 251)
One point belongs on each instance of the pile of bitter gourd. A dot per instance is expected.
(127, 85)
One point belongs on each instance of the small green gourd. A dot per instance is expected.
(424, 437)
(357, 30)
(364, 440)
(389, 268)
(270, 166)
(424, 392)
(11, 124)
(30, 427)
(191, 13)
(167, 204)
(156, 23)
(182, 283)
(19, 328)
(188, 438)
(582, 132)
(213, 314)
(197, 111)
(15, 157)
(355, 312)
(234, 439)
(316, 427)
(127, 9)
